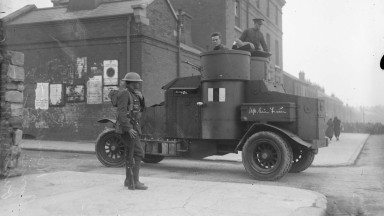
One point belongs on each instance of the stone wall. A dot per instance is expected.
(11, 90)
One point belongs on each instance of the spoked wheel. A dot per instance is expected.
(266, 156)
(302, 159)
(153, 158)
(110, 149)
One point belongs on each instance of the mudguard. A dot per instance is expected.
(107, 120)
(107, 130)
(263, 126)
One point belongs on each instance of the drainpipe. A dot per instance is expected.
(129, 43)
(178, 41)
(248, 14)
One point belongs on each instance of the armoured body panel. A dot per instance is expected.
(223, 80)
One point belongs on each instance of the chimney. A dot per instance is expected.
(76, 5)
(186, 27)
(140, 13)
(302, 75)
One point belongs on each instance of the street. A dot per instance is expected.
(352, 190)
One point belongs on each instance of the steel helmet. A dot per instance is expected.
(132, 77)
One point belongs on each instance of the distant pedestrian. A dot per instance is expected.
(337, 127)
(216, 41)
(329, 131)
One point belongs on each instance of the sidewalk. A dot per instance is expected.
(77, 193)
(343, 152)
(339, 153)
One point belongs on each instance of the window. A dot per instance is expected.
(237, 13)
(268, 41)
(277, 51)
(268, 8)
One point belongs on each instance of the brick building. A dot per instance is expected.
(231, 18)
(79, 49)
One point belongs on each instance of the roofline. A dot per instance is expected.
(22, 11)
(293, 77)
(28, 8)
(172, 9)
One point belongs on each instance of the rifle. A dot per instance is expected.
(194, 66)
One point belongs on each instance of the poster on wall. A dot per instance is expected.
(75, 93)
(110, 72)
(56, 95)
(42, 96)
(81, 66)
(94, 90)
(106, 91)
(96, 69)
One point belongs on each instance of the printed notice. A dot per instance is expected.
(55, 94)
(75, 93)
(106, 91)
(110, 72)
(42, 96)
(81, 66)
(94, 90)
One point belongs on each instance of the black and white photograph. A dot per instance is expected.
(192, 107)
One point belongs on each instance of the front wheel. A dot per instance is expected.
(302, 159)
(266, 156)
(110, 149)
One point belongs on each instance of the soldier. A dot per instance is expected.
(254, 36)
(216, 41)
(130, 105)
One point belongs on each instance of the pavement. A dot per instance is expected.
(79, 193)
(343, 152)
(339, 153)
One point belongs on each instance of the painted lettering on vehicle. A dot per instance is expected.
(266, 110)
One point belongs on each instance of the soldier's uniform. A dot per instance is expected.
(129, 107)
(254, 36)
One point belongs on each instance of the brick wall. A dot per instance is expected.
(51, 52)
(11, 90)
(208, 16)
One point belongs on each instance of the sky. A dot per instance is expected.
(337, 43)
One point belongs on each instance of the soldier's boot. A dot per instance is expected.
(129, 179)
(136, 171)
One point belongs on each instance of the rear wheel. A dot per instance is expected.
(302, 159)
(110, 149)
(153, 158)
(266, 156)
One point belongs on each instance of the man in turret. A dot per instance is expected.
(216, 41)
(252, 38)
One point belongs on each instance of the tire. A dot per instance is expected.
(153, 158)
(110, 149)
(266, 156)
(302, 159)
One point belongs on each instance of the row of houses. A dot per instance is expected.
(78, 50)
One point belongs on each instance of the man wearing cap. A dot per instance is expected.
(254, 36)
(130, 105)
